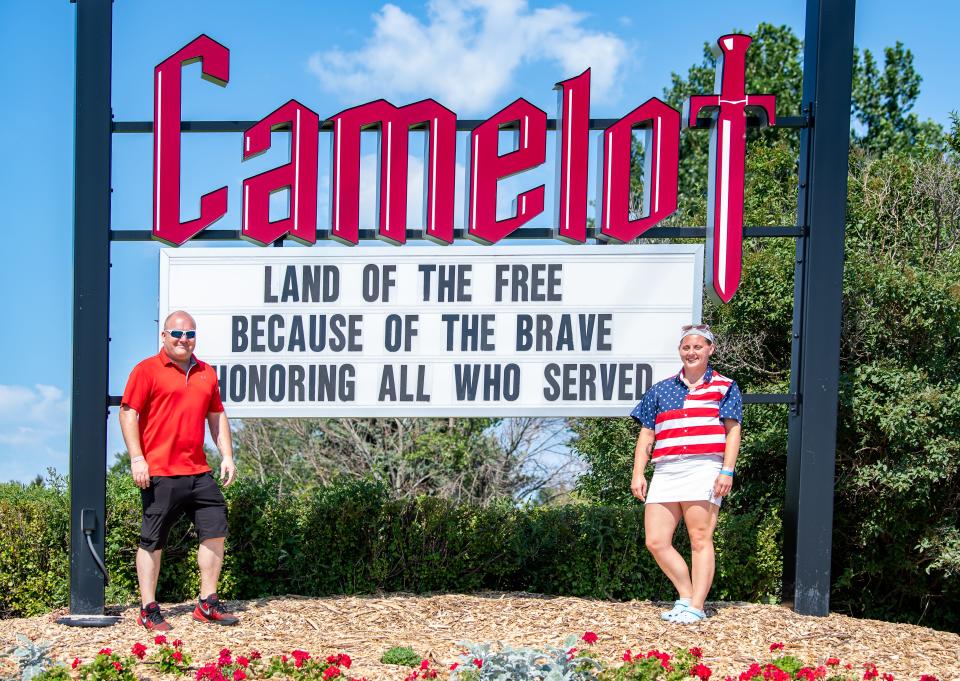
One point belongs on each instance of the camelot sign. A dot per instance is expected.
(484, 163)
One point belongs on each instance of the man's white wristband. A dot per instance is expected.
(136, 459)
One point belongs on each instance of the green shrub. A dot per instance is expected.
(404, 656)
(350, 537)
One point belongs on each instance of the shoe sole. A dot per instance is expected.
(164, 627)
(221, 623)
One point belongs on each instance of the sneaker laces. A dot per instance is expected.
(215, 605)
(153, 616)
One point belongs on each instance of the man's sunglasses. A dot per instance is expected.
(178, 334)
(699, 327)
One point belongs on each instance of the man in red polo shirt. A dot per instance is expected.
(167, 399)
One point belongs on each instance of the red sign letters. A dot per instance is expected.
(659, 122)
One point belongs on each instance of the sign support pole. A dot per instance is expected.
(817, 313)
(91, 313)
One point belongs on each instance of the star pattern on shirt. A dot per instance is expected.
(671, 393)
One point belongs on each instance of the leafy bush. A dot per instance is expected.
(401, 655)
(350, 537)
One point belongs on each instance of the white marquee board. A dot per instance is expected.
(436, 331)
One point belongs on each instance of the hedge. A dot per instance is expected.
(350, 538)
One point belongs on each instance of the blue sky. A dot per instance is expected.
(475, 56)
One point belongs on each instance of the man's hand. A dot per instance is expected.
(141, 473)
(722, 485)
(639, 488)
(228, 471)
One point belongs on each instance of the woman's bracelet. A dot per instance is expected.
(724, 471)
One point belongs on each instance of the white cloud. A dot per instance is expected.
(466, 53)
(33, 430)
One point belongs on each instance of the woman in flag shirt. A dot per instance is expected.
(691, 429)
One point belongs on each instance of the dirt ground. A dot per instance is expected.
(366, 626)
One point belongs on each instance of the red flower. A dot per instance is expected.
(177, 643)
(572, 653)
(701, 671)
(159, 639)
(177, 656)
(118, 666)
(696, 652)
(301, 656)
(929, 677)
(242, 661)
(887, 677)
(832, 661)
(627, 656)
(589, 638)
(330, 673)
(871, 671)
(239, 675)
(477, 662)
(776, 646)
(255, 655)
(424, 664)
(139, 650)
(105, 651)
(454, 666)
(76, 663)
(753, 671)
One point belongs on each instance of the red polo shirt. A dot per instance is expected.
(173, 406)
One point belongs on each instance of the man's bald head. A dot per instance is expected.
(179, 315)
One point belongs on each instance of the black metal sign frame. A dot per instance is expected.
(824, 140)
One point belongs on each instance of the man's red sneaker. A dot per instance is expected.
(151, 619)
(211, 610)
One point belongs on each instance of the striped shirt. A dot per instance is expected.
(689, 421)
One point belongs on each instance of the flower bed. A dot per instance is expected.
(576, 660)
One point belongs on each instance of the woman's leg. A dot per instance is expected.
(700, 517)
(659, 523)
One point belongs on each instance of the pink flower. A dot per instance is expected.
(424, 664)
(696, 652)
(239, 675)
(139, 651)
(225, 659)
(75, 663)
(589, 638)
(701, 671)
(776, 646)
(159, 639)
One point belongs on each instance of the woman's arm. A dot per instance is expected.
(731, 449)
(641, 455)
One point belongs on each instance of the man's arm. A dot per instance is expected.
(220, 432)
(130, 427)
(641, 455)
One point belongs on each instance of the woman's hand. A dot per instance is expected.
(639, 488)
(722, 485)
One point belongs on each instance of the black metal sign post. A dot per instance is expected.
(91, 312)
(817, 296)
(815, 370)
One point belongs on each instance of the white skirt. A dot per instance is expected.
(685, 478)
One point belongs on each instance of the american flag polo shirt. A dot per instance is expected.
(689, 421)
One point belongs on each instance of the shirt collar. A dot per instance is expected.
(707, 376)
(166, 361)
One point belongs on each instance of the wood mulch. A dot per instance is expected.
(366, 626)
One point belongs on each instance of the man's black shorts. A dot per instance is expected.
(170, 496)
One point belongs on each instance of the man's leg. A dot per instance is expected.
(210, 560)
(659, 523)
(700, 517)
(148, 572)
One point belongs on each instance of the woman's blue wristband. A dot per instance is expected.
(726, 472)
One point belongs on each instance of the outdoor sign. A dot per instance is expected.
(436, 331)
(484, 164)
